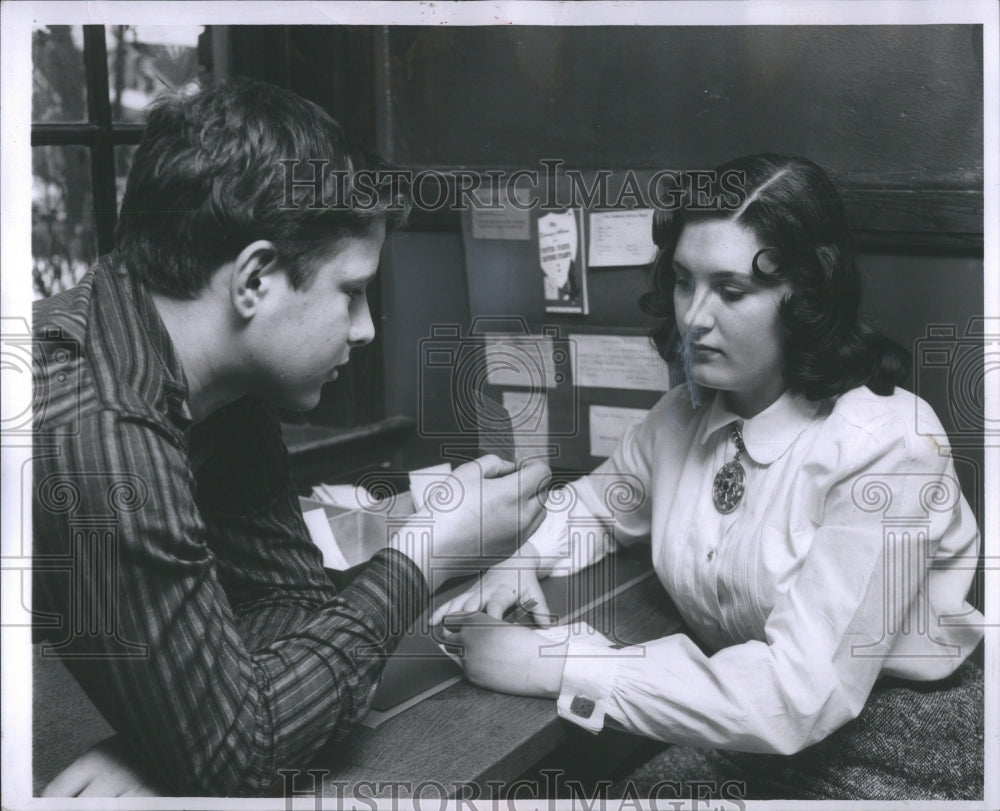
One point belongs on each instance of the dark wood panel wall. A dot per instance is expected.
(332, 66)
(895, 113)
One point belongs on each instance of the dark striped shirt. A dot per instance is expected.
(173, 571)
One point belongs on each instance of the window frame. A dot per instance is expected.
(100, 134)
(354, 409)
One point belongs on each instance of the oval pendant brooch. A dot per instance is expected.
(730, 481)
(728, 487)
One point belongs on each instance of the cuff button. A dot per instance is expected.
(583, 707)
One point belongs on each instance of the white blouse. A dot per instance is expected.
(849, 556)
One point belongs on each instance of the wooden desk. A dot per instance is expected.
(466, 735)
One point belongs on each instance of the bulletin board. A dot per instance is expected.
(570, 390)
(586, 375)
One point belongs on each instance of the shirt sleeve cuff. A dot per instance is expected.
(587, 682)
(402, 583)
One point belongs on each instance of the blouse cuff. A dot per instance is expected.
(587, 682)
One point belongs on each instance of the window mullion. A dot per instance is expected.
(102, 155)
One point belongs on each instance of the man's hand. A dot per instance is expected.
(104, 771)
(506, 658)
(515, 581)
(484, 509)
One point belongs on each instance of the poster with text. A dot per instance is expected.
(562, 263)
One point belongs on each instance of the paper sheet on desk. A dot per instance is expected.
(348, 496)
(318, 525)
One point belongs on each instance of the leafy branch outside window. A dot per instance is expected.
(85, 128)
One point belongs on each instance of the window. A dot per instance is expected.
(90, 86)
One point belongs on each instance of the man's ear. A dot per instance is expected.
(252, 276)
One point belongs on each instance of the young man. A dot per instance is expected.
(174, 573)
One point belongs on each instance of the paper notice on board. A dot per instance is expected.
(560, 258)
(621, 238)
(496, 218)
(618, 362)
(608, 424)
(529, 417)
(520, 360)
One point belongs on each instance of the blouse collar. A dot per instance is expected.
(768, 434)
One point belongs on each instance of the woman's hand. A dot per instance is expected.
(515, 581)
(507, 658)
(103, 771)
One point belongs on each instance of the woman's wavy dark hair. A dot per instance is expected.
(795, 212)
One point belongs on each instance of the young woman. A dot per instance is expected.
(800, 514)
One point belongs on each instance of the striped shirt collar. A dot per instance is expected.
(149, 362)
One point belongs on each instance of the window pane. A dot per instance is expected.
(63, 236)
(144, 61)
(58, 88)
(123, 160)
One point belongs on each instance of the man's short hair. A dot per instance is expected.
(212, 174)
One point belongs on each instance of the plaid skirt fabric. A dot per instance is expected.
(910, 742)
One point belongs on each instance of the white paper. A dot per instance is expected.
(347, 496)
(520, 360)
(506, 222)
(319, 529)
(424, 478)
(618, 362)
(621, 238)
(608, 424)
(529, 418)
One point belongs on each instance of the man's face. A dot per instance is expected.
(302, 336)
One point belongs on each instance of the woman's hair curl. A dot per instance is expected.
(795, 212)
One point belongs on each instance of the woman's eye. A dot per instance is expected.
(731, 293)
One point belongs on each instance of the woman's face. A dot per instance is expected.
(727, 319)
